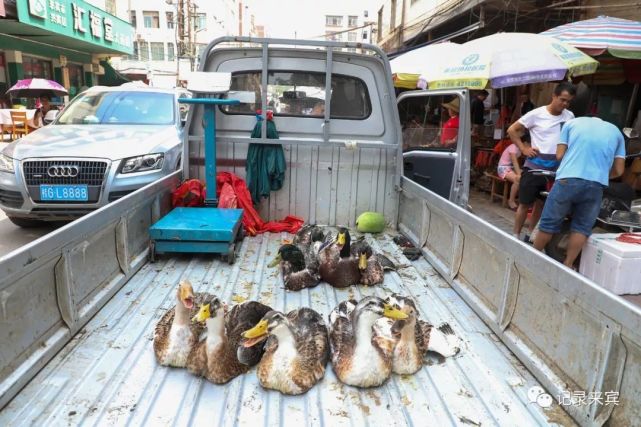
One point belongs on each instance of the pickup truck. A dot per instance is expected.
(541, 345)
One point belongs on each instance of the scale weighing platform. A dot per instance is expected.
(206, 229)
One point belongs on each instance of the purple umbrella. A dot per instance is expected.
(34, 88)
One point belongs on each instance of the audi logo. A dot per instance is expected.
(62, 171)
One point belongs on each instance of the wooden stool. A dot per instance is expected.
(493, 190)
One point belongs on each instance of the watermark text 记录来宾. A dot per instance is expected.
(537, 394)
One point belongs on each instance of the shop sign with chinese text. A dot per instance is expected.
(79, 20)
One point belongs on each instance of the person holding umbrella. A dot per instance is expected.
(544, 125)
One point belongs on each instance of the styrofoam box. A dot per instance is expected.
(614, 265)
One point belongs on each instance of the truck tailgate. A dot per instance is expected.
(107, 374)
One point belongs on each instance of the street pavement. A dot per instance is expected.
(12, 237)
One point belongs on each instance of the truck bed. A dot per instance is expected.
(107, 374)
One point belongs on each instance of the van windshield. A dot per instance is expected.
(120, 108)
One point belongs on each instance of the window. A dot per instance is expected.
(170, 19)
(110, 6)
(302, 93)
(200, 21)
(333, 21)
(352, 21)
(170, 52)
(76, 78)
(427, 124)
(135, 55)
(144, 51)
(351, 36)
(36, 67)
(151, 19)
(132, 18)
(131, 108)
(200, 48)
(157, 51)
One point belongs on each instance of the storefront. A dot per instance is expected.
(61, 40)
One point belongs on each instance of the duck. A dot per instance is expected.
(296, 274)
(308, 239)
(175, 335)
(296, 350)
(360, 357)
(218, 356)
(372, 265)
(414, 337)
(337, 266)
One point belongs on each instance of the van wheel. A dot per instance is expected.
(26, 222)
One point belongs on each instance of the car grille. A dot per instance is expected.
(90, 172)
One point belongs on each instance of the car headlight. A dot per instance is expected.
(142, 163)
(6, 163)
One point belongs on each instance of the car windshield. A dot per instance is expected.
(120, 108)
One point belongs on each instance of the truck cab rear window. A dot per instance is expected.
(302, 94)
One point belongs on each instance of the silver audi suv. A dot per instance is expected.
(108, 142)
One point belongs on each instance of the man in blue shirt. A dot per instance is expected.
(591, 152)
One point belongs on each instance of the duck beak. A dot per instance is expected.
(340, 239)
(255, 335)
(203, 314)
(393, 313)
(362, 261)
(275, 261)
(257, 331)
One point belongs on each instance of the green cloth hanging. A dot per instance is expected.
(265, 163)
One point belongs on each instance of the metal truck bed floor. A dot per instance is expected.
(107, 374)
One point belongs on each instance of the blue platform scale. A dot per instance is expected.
(208, 229)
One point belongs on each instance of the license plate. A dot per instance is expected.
(67, 193)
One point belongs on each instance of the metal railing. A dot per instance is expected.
(51, 288)
(573, 335)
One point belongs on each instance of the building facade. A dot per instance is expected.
(61, 40)
(351, 23)
(171, 35)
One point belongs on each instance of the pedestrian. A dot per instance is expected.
(592, 152)
(510, 170)
(544, 126)
(478, 113)
(524, 106)
(449, 132)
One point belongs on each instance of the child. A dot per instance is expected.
(510, 170)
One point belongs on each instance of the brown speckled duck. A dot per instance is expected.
(359, 357)
(337, 266)
(218, 356)
(371, 265)
(296, 274)
(415, 337)
(296, 351)
(175, 335)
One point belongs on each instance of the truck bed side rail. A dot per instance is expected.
(580, 341)
(52, 287)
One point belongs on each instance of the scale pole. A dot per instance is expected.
(210, 155)
(209, 123)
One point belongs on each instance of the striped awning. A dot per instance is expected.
(619, 37)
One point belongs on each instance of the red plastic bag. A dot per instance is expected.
(189, 193)
(252, 222)
(227, 198)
